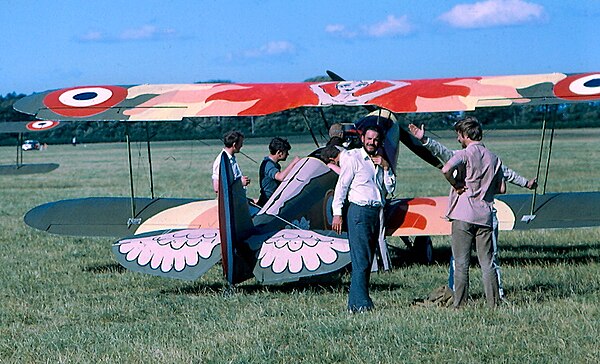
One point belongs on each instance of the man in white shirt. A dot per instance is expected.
(365, 179)
(233, 141)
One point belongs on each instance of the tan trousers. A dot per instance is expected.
(463, 236)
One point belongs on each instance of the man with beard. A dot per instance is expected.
(365, 179)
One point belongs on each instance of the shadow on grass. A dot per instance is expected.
(327, 284)
(530, 254)
(104, 268)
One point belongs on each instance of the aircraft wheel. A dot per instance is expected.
(423, 248)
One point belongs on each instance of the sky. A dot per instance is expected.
(58, 43)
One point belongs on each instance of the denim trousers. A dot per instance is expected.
(363, 236)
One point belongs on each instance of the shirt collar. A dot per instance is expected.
(363, 154)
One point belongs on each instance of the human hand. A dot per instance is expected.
(417, 132)
(245, 181)
(532, 184)
(336, 224)
(378, 160)
(460, 188)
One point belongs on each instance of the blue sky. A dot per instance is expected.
(59, 43)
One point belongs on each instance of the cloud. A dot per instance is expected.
(144, 32)
(391, 26)
(92, 36)
(493, 13)
(273, 48)
(340, 31)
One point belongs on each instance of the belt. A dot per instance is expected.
(373, 204)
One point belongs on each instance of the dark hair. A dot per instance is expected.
(328, 153)
(469, 127)
(375, 128)
(279, 145)
(335, 141)
(232, 137)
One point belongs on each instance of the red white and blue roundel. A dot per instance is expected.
(41, 125)
(84, 101)
(585, 86)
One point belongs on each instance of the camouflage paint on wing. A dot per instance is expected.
(174, 102)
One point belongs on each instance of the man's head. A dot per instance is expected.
(336, 130)
(371, 139)
(234, 140)
(279, 148)
(331, 154)
(468, 129)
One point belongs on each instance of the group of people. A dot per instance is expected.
(270, 173)
(366, 179)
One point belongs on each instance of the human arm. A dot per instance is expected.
(450, 168)
(215, 173)
(516, 179)
(280, 176)
(436, 148)
(389, 179)
(341, 191)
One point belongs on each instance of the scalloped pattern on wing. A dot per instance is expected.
(183, 254)
(292, 254)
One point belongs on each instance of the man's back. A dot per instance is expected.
(482, 169)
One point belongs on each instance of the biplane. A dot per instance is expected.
(289, 238)
(19, 128)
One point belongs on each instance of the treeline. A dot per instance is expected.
(292, 122)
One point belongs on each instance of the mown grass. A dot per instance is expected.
(65, 299)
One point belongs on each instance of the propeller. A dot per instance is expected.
(406, 138)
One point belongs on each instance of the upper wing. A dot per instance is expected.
(174, 102)
(183, 254)
(28, 126)
(289, 255)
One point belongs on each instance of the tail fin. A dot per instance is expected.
(235, 225)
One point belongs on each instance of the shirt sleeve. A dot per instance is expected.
(457, 159)
(343, 184)
(439, 150)
(513, 177)
(271, 170)
(215, 170)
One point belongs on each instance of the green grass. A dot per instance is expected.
(65, 300)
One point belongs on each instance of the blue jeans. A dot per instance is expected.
(363, 236)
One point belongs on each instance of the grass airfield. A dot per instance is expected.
(66, 300)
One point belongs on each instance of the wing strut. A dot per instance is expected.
(549, 149)
(19, 151)
(531, 216)
(310, 128)
(149, 159)
(132, 220)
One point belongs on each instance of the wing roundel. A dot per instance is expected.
(183, 254)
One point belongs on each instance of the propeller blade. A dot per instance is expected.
(415, 146)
